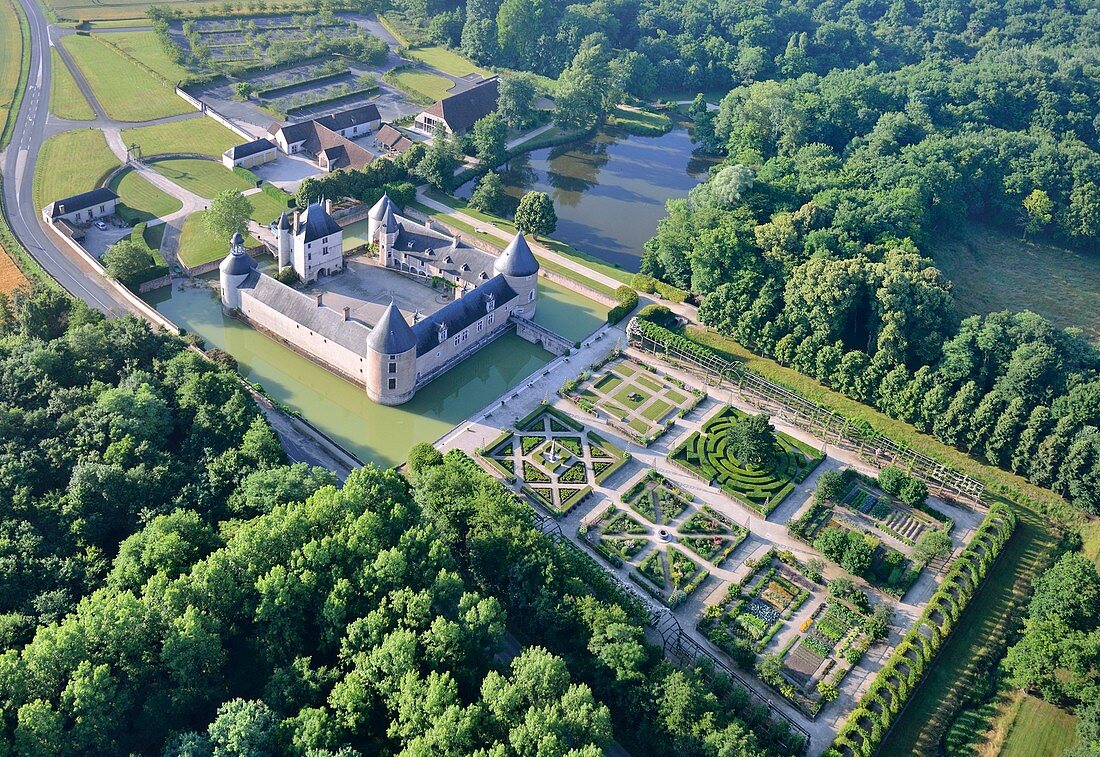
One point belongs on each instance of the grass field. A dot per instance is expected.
(139, 195)
(419, 86)
(996, 270)
(14, 63)
(201, 136)
(66, 99)
(144, 47)
(642, 122)
(11, 278)
(203, 177)
(266, 208)
(447, 61)
(1040, 730)
(71, 163)
(197, 245)
(126, 91)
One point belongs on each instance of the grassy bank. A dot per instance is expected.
(127, 91)
(70, 163)
(198, 246)
(14, 65)
(15, 251)
(146, 50)
(643, 123)
(66, 99)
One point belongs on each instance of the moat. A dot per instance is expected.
(609, 191)
(376, 433)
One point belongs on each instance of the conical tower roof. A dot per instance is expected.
(284, 220)
(238, 261)
(517, 259)
(390, 221)
(392, 335)
(378, 212)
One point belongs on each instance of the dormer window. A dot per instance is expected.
(483, 276)
(465, 267)
(429, 252)
(448, 259)
(490, 303)
(442, 333)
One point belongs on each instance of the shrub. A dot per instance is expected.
(628, 300)
(892, 479)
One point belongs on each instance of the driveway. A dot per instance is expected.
(96, 241)
(287, 171)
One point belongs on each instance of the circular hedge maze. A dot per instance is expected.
(710, 456)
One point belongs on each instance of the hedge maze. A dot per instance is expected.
(710, 456)
(879, 707)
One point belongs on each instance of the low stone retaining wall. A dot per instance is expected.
(149, 286)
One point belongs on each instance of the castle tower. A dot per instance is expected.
(236, 267)
(376, 215)
(391, 359)
(388, 228)
(284, 236)
(520, 269)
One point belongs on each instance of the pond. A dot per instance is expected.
(375, 433)
(609, 191)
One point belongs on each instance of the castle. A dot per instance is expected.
(390, 359)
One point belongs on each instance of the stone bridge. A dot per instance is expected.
(551, 341)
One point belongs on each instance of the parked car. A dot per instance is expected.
(101, 226)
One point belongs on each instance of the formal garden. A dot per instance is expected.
(890, 514)
(555, 459)
(637, 399)
(747, 459)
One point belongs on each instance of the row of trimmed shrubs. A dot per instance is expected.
(866, 727)
(646, 283)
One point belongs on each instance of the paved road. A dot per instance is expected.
(18, 169)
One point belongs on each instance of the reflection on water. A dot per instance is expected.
(624, 181)
(342, 410)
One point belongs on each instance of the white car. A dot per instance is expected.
(101, 226)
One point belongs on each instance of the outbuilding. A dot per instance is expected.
(82, 208)
(250, 154)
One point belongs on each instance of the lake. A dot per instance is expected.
(609, 191)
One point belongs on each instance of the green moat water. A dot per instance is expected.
(340, 409)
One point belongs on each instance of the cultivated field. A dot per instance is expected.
(126, 91)
(201, 136)
(71, 163)
(66, 99)
(143, 198)
(995, 270)
(11, 278)
(203, 177)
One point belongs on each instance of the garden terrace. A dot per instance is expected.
(556, 460)
(758, 607)
(709, 455)
(636, 399)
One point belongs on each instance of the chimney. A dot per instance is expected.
(328, 206)
(347, 313)
(458, 240)
(295, 223)
(319, 296)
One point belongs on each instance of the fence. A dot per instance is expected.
(206, 109)
(833, 427)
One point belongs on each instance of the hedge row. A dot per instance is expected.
(628, 300)
(869, 723)
(646, 283)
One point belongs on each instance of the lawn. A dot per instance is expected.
(14, 63)
(996, 270)
(201, 136)
(141, 196)
(144, 47)
(58, 175)
(266, 208)
(198, 246)
(419, 86)
(1040, 730)
(641, 122)
(66, 99)
(203, 177)
(126, 91)
(447, 61)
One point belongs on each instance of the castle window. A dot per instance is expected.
(480, 327)
(393, 367)
(531, 296)
(458, 339)
(490, 318)
(393, 357)
(393, 384)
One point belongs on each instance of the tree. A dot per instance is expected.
(877, 625)
(245, 728)
(228, 214)
(914, 492)
(584, 93)
(243, 90)
(753, 439)
(535, 214)
(489, 196)
(439, 163)
(423, 456)
(932, 544)
(830, 486)
(1038, 211)
(490, 136)
(892, 479)
(125, 260)
(516, 100)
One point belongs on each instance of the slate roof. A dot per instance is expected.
(302, 130)
(303, 309)
(414, 240)
(461, 313)
(236, 264)
(393, 140)
(81, 201)
(315, 223)
(517, 258)
(392, 334)
(461, 110)
(378, 210)
(340, 151)
(250, 148)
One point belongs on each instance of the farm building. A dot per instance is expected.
(459, 112)
(82, 208)
(250, 154)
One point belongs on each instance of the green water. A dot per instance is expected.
(343, 411)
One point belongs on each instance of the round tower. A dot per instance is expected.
(519, 268)
(376, 215)
(284, 236)
(234, 269)
(391, 359)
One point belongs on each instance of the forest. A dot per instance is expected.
(173, 587)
